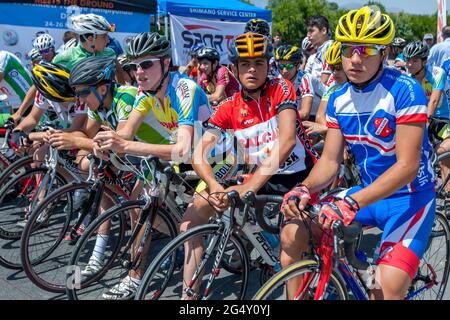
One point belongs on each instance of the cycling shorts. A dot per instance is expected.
(406, 221)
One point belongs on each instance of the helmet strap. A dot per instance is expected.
(420, 70)
(161, 82)
(94, 37)
(102, 99)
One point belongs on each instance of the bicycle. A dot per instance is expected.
(159, 216)
(331, 272)
(222, 238)
(23, 193)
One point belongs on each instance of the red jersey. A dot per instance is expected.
(255, 125)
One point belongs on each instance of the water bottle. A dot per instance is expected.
(274, 241)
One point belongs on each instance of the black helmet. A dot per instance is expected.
(398, 42)
(52, 81)
(92, 71)
(289, 53)
(258, 26)
(416, 49)
(148, 43)
(208, 53)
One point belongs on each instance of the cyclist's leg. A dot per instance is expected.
(404, 240)
(197, 213)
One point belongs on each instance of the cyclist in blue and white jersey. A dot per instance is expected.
(381, 115)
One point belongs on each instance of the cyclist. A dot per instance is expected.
(167, 111)
(110, 105)
(318, 33)
(34, 56)
(14, 82)
(93, 32)
(217, 81)
(191, 68)
(290, 59)
(45, 45)
(381, 115)
(281, 153)
(337, 79)
(308, 52)
(398, 45)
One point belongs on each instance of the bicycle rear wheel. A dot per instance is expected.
(275, 288)
(432, 276)
(116, 261)
(16, 199)
(164, 278)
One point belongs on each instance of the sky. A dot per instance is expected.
(410, 6)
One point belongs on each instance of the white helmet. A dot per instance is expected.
(43, 42)
(90, 23)
(70, 44)
(306, 44)
(34, 55)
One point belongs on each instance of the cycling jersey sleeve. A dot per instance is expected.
(142, 103)
(40, 102)
(222, 76)
(284, 96)
(188, 102)
(3, 61)
(411, 102)
(331, 116)
(326, 68)
(439, 78)
(222, 118)
(306, 86)
(94, 116)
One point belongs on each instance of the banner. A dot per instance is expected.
(22, 23)
(442, 18)
(185, 32)
(145, 6)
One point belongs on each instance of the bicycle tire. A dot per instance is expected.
(35, 268)
(424, 267)
(170, 252)
(5, 175)
(12, 237)
(121, 210)
(278, 280)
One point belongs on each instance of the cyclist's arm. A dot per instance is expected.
(324, 77)
(200, 157)
(27, 101)
(128, 129)
(77, 123)
(326, 168)
(178, 152)
(306, 106)
(86, 134)
(218, 95)
(30, 121)
(321, 113)
(280, 151)
(435, 98)
(408, 147)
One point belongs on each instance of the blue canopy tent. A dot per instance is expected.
(234, 10)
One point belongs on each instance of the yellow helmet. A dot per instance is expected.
(333, 54)
(52, 81)
(250, 45)
(367, 26)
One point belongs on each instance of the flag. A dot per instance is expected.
(442, 18)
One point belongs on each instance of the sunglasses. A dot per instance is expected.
(144, 65)
(288, 66)
(83, 93)
(336, 67)
(348, 50)
(46, 51)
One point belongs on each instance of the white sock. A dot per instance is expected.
(100, 246)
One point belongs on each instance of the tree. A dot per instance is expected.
(247, 2)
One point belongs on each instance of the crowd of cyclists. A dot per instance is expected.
(280, 119)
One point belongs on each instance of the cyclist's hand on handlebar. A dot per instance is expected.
(109, 140)
(342, 209)
(242, 189)
(16, 118)
(218, 198)
(62, 140)
(295, 201)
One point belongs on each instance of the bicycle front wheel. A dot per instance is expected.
(164, 279)
(88, 281)
(275, 287)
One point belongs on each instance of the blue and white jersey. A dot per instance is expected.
(368, 118)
